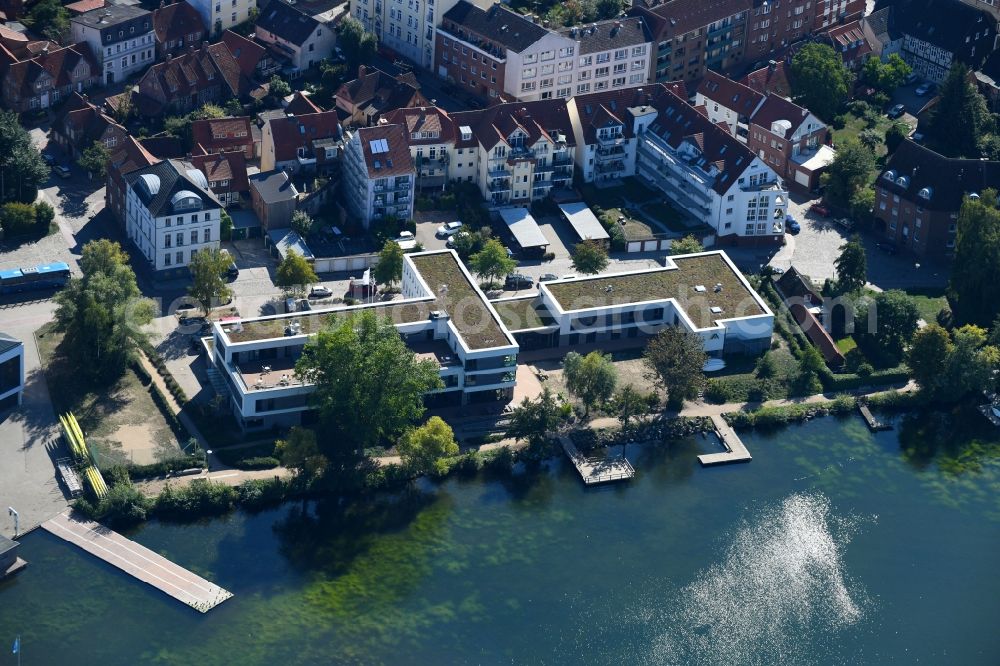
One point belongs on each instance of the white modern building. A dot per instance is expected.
(121, 37)
(405, 26)
(170, 213)
(379, 175)
(11, 371)
(220, 15)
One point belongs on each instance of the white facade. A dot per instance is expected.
(318, 46)
(624, 67)
(544, 70)
(11, 372)
(612, 155)
(405, 26)
(220, 15)
(372, 197)
(122, 52)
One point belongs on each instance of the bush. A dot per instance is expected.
(258, 462)
(44, 214)
(838, 122)
(499, 460)
(17, 219)
(140, 372)
(549, 256)
(865, 370)
(258, 494)
(124, 506)
(163, 467)
(199, 498)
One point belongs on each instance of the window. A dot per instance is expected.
(620, 68)
(603, 57)
(166, 258)
(548, 70)
(639, 50)
(194, 236)
(166, 239)
(180, 241)
(180, 257)
(586, 61)
(206, 236)
(600, 72)
(548, 55)
(618, 81)
(583, 89)
(528, 73)
(527, 86)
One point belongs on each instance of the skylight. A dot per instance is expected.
(379, 146)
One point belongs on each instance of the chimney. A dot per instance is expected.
(362, 70)
(772, 65)
(169, 57)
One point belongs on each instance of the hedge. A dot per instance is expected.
(161, 367)
(180, 432)
(257, 462)
(161, 468)
(769, 417)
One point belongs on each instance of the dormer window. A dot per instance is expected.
(903, 181)
(889, 175)
(925, 193)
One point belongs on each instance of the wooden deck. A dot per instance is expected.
(873, 423)
(138, 561)
(597, 470)
(735, 449)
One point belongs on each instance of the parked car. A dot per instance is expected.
(449, 229)
(845, 224)
(820, 210)
(792, 225)
(62, 171)
(289, 305)
(887, 247)
(49, 159)
(320, 292)
(896, 111)
(912, 78)
(232, 272)
(517, 281)
(406, 241)
(548, 277)
(452, 240)
(924, 88)
(304, 305)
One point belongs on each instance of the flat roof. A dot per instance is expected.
(286, 239)
(681, 282)
(454, 294)
(519, 314)
(523, 227)
(584, 222)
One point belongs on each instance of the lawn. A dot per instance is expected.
(846, 344)
(928, 301)
(666, 215)
(121, 422)
(855, 125)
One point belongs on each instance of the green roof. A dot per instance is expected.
(706, 270)
(523, 313)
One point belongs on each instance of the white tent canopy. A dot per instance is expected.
(583, 220)
(523, 227)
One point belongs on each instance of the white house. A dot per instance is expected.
(170, 213)
(405, 26)
(220, 15)
(294, 36)
(11, 371)
(121, 37)
(379, 175)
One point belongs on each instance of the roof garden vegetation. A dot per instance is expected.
(707, 270)
(523, 313)
(311, 323)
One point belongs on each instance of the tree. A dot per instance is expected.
(102, 313)
(811, 366)
(851, 266)
(389, 269)
(870, 138)
(894, 135)
(974, 289)
(929, 349)
(302, 223)
(208, 277)
(49, 19)
(820, 82)
(968, 367)
(278, 88)
(295, 273)
(886, 76)
(233, 106)
(21, 166)
(628, 404)
(17, 219)
(358, 45)
(960, 117)
(468, 243)
(607, 9)
(590, 378)
(863, 203)
(44, 214)
(225, 226)
(675, 357)
(850, 170)
(299, 452)
(94, 159)
(369, 387)
(492, 261)
(687, 245)
(589, 257)
(208, 111)
(535, 420)
(889, 327)
(423, 447)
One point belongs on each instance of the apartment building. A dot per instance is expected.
(788, 138)
(919, 193)
(431, 138)
(170, 214)
(712, 176)
(607, 126)
(294, 143)
(125, 158)
(363, 100)
(180, 85)
(773, 25)
(39, 81)
(223, 135)
(226, 174)
(832, 12)
(936, 33)
(120, 37)
(178, 27)
(80, 124)
(379, 174)
(407, 27)
(294, 36)
(611, 55)
(219, 15)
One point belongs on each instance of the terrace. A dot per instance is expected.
(523, 313)
(313, 322)
(693, 284)
(435, 350)
(269, 374)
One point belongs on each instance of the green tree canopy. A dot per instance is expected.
(492, 262)
(17, 219)
(295, 273)
(886, 76)
(850, 170)
(102, 313)
(49, 19)
(886, 325)
(369, 387)
(820, 82)
(590, 257)
(535, 420)
(389, 269)
(591, 378)
(628, 405)
(299, 452)
(968, 367)
(926, 356)
(851, 266)
(675, 358)
(278, 88)
(302, 223)
(974, 289)
(95, 158)
(358, 45)
(422, 448)
(208, 277)
(960, 117)
(894, 135)
(22, 169)
(687, 245)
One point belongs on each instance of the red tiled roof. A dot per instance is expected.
(384, 92)
(205, 133)
(247, 52)
(777, 108)
(195, 71)
(58, 64)
(424, 119)
(294, 132)
(224, 166)
(494, 124)
(769, 81)
(396, 161)
(177, 21)
(82, 6)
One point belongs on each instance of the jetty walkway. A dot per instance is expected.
(735, 451)
(137, 561)
(597, 470)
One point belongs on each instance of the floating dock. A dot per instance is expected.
(873, 423)
(597, 470)
(735, 450)
(138, 561)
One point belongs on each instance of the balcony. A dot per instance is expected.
(610, 152)
(500, 185)
(612, 139)
(496, 172)
(610, 167)
(563, 159)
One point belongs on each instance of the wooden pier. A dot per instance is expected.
(597, 470)
(873, 423)
(735, 450)
(138, 561)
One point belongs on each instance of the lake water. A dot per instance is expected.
(834, 546)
